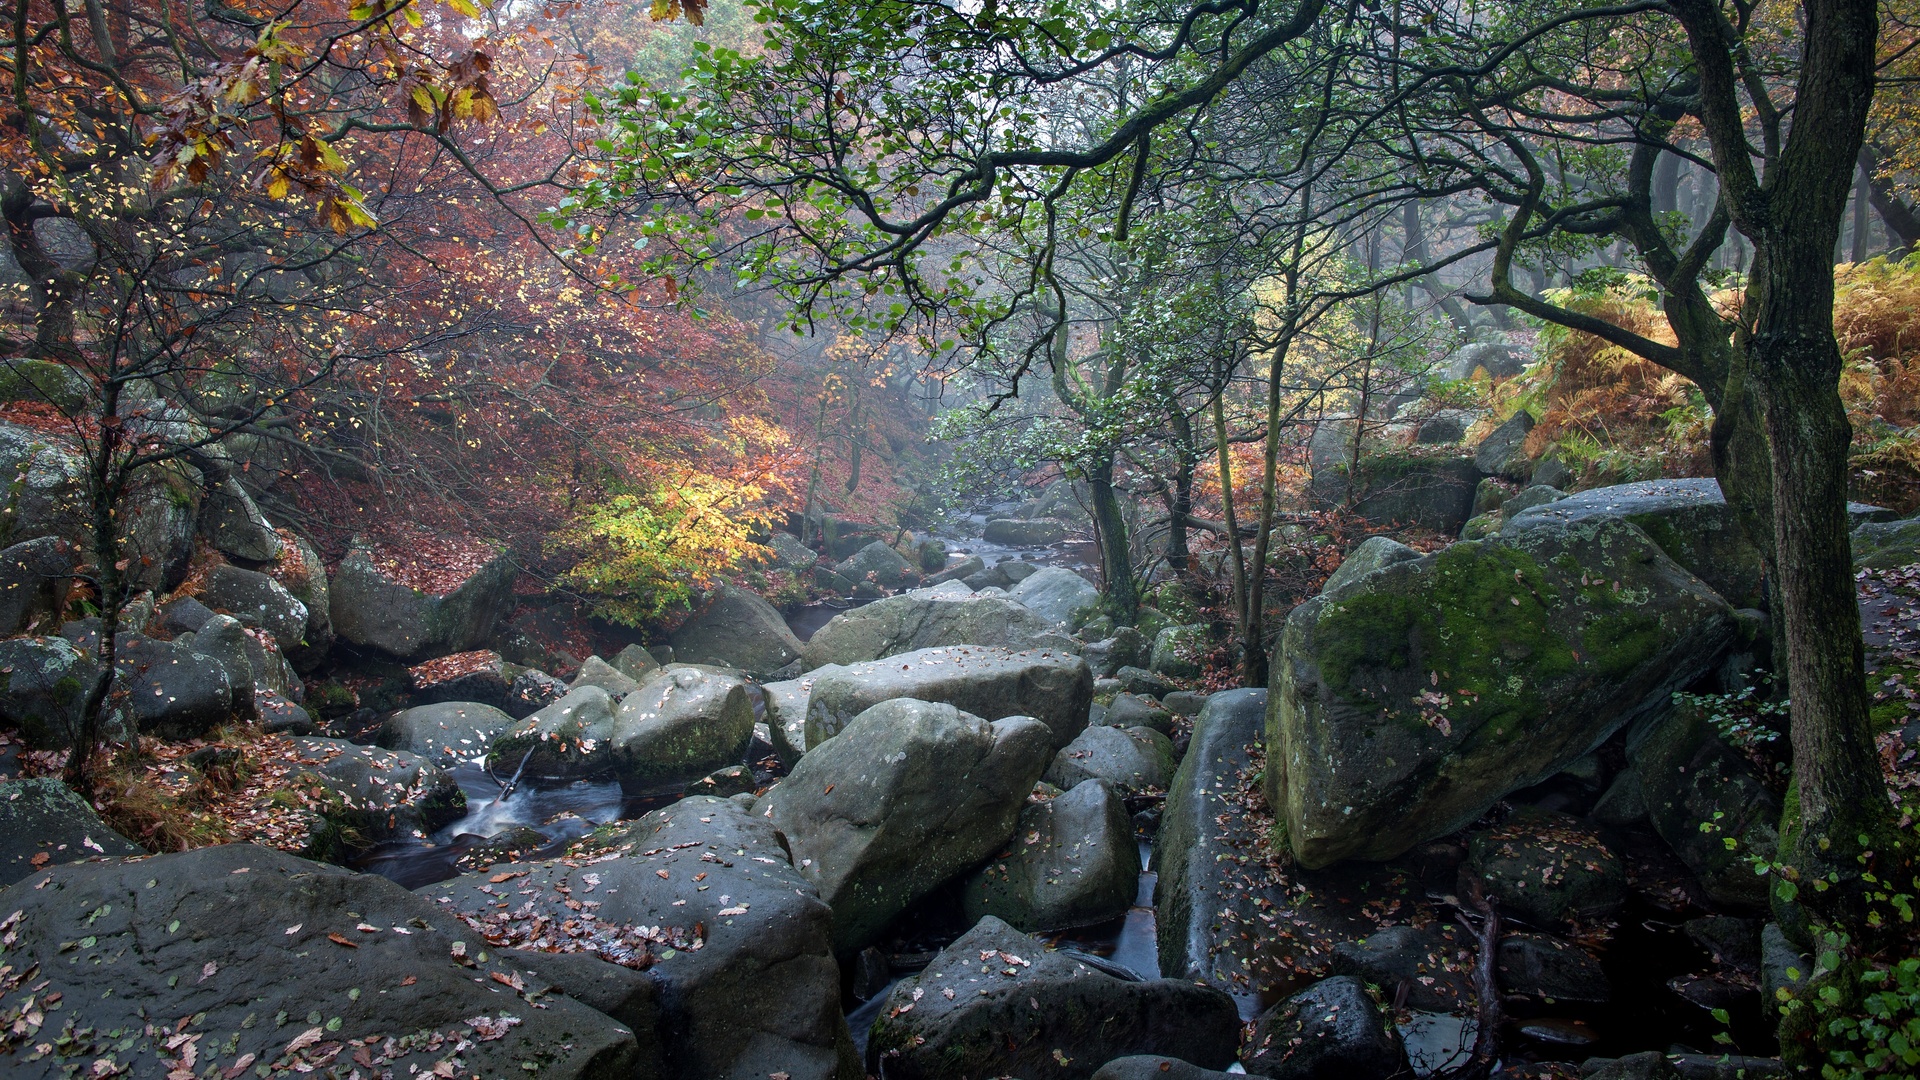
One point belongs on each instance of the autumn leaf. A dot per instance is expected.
(341, 939)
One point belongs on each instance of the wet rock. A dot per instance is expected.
(760, 995)
(371, 609)
(1177, 651)
(571, 739)
(278, 716)
(1434, 493)
(736, 628)
(226, 642)
(235, 939)
(1072, 862)
(960, 571)
(1427, 964)
(997, 1002)
(1143, 682)
(1057, 595)
(1649, 1065)
(379, 794)
(445, 731)
(1550, 640)
(1127, 647)
(724, 783)
(34, 581)
(257, 601)
(171, 691)
(43, 822)
(1502, 452)
(1548, 867)
(876, 564)
(1733, 942)
(1024, 532)
(1623, 803)
(1155, 1067)
(915, 795)
(44, 683)
(1133, 760)
(1330, 1031)
(1547, 967)
(1055, 688)
(635, 662)
(1782, 965)
(1727, 1067)
(787, 713)
(1132, 710)
(597, 672)
(1560, 1032)
(1689, 519)
(1690, 778)
(924, 619)
(533, 690)
(681, 725)
(1886, 545)
(481, 676)
(182, 616)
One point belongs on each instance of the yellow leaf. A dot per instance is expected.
(464, 7)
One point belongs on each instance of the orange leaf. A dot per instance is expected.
(338, 939)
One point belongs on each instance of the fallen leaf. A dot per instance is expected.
(207, 970)
(294, 929)
(40, 859)
(408, 981)
(303, 1040)
(341, 939)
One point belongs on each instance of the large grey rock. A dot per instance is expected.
(301, 573)
(911, 796)
(258, 601)
(169, 690)
(1155, 1067)
(570, 739)
(1528, 498)
(1502, 453)
(1134, 760)
(760, 993)
(1549, 867)
(1433, 493)
(1547, 967)
(35, 576)
(223, 640)
(1887, 544)
(1444, 428)
(27, 379)
(46, 487)
(1127, 647)
(1057, 594)
(1689, 778)
(1330, 1031)
(1403, 708)
(597, 672)
(232, 522)
(1374, 553)
(736, 628)
(232, 945)
(635, 662)
(682, 724)
(1072, 861)
(924, 619)
(1178, 651)
(1689, 519)
(960, 571)
(1055, 688)
(449, 730)
(373, 610)
(380, 793)
(1024, 532)
(878, 564)
(999, 1003)
(1132, 710)
(43, 822)
(786, 703)
(1496, 359)
(1421, 964)
(790, 554)
(43, 684)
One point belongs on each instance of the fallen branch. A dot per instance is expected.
(1486, 989)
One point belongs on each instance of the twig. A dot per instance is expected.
(1486, 989)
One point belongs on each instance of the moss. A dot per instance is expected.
(1621, 641)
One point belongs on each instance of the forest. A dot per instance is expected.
(960, 539)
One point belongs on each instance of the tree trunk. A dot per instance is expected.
(1236, 556)
(1903, 225)
(1180, 506)
(1116, 561)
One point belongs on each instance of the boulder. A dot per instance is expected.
(1330, 1031)
(1055, 688)
(1024, 532)
(1182, 703)
(301, 573)
(790, 554)
(1405, 707)
(1127, 647)
(34, 581)
(43, 822)
(960, 571)
(237, 944)
(481, 675)
(1690, 779)
(1155, 1067)
(1072, 862)
(1537, 495)
(373, 609)
(56, 384)
(786, 704)
(571, 739)
(43, 684)
(1646, 1065)
(1140, 681)
(635, 662)
(1496, 359)
(998, 1003)
(1548, 867)
(1433, 493)
(927, 618)
(758, 994)
(1444, 428)
(682, 724)
(46, 487)
(232, 522)
(169, 690)
(449, 730)
(878, 564)
(1134, 760)
(223, 640)
(1177, 651)
(378, 794)
(598, 673)
(915, 795)
(1132, 710)
(1374, 553)
(1552, 472)
(1886, 545)
(1057, 595)
(1782, 965)
(256, 600)
(1483, 526)
(933, 556)
(1547, 967)
(736, 628)
(1503, 452)
(1424, 964)
(1689, 519)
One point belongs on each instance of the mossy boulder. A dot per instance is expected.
(43, 822)
(1072, 862)
(1331, 1029)
(446, 730)
(1055, 688)
(1024, 532)
(1689, 519)
(682, 724)
(43, 684)
(1699, 793)
(24, 379)
(1549, 867)
(1178, 651)
(1405, 706)
(570, 739)
(736, 628)
(378, 794)
(372, 608)
(1056, 594)
(1883, 545)
(929, 618)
